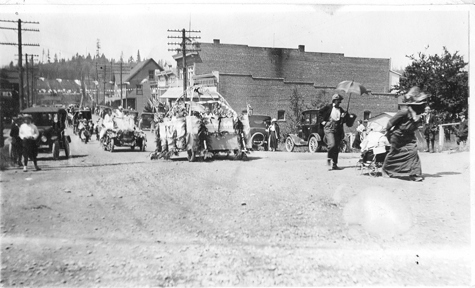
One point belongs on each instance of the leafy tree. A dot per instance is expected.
(294, 112)
(443, 77)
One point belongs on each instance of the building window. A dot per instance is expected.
(139, 90)
(151, 74)
(281, 115)
(366, 115)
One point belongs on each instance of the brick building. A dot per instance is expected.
(266, 77)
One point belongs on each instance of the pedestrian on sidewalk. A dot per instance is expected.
(333, 117)
(403, 159)
(28, 134)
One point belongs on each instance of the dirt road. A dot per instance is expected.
(118, 219)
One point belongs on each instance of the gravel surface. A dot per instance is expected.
(104, 219)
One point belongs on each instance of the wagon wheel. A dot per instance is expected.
(111, 145)
(191, 155)
(289, 144)
(238, 154)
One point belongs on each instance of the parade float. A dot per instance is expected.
(202, 124)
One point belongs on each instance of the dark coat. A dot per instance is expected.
(324, 114)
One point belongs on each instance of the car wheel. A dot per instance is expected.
(55, 150)
(313, 145)
(289, 144)
(111, 145)
(257, 140)
(191, 156)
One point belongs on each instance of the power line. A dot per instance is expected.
(183, 49)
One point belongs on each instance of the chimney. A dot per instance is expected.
(215, 41)
(302, 48)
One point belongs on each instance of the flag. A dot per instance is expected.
(77, 82)
(42, 78)
(59, 80)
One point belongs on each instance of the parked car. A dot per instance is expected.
(51, 134)
(310, 133)
(259, 133)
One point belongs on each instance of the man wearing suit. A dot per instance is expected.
(333, 117)
(430, 128)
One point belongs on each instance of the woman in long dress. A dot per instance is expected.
(273, 135)
(403, 159)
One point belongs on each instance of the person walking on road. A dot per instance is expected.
(274, 134)
(16, 141)
(430, 129)
(403, 159)
(28, 134)
(333, 117)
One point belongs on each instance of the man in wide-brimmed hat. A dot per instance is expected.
(28, 134)
(333, 117)
(403, 159)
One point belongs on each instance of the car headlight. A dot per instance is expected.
(43, 138)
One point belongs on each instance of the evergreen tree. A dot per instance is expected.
(138, 56)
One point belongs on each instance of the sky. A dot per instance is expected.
(369, 31)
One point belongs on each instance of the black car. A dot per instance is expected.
(51, 132)
(310, 133)
(259, 133)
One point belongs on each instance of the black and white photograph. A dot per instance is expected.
(236, 143)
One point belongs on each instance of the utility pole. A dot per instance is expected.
(20, 45)
(184, 41)
(29, 88)
(121, 86)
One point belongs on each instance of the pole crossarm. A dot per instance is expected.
(16, 21)
(16, 44)
(7, 28)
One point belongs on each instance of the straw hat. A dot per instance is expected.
(273, 120)
(25, 116)
(337, 97)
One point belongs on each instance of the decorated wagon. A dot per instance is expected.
(201, 123)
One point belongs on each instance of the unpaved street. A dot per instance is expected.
(118, 219)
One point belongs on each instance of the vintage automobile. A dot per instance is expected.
(52, 133)
(124, 134)
(259, 133)
(310, 133)
(145, 120)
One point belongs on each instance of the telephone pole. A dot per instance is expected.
(20, 45)
(184, 41)
(29, 89)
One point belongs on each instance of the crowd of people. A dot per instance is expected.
(402, 159)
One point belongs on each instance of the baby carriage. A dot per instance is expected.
(372, 160)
